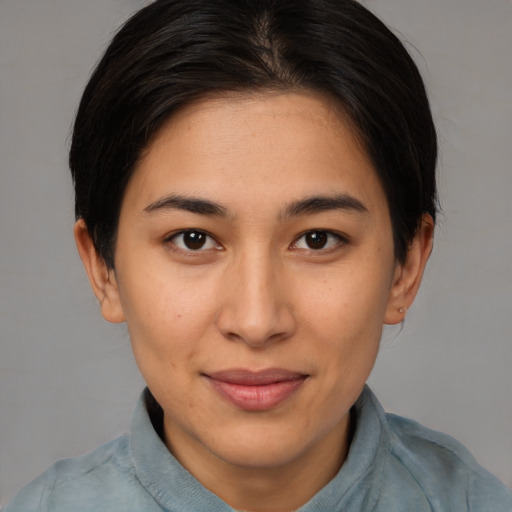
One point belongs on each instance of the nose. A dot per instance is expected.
(256, 308)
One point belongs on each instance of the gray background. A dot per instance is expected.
(67, 378)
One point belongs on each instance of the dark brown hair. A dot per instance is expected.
(174, 52)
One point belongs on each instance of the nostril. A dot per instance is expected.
(258, 331)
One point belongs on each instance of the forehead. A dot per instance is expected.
(267, 146)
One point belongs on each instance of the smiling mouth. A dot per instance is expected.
(256, 391)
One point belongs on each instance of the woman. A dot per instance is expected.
(255, 198)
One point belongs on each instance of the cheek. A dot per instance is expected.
(166, 315)
(344, 315)
(167, 328)
(347, 300)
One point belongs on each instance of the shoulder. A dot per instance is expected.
(444, 469)
(76, 479)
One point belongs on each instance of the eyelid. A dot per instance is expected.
(342, 239)
(169, 239)
(214, 244)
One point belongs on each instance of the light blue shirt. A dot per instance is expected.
(393, 465)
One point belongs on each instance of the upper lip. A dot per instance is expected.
(243, 377)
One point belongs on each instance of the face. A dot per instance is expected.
(254, 267)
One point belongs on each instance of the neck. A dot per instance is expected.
(282, 488)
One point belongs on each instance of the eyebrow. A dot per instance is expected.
(314, 204)
(189, 204)
(317, 204)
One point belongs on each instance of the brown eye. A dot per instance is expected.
(316, 239)
(194, 240)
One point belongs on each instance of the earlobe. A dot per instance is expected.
(103, 280)
(408, 275)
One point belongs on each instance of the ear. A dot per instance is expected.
(408, 275)
(103, 279)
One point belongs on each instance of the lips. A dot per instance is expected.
(256, 391)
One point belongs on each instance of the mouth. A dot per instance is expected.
(256, 391)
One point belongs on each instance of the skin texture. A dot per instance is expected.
(258, 294)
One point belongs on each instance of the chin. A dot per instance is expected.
(268, 445)
(265, 454)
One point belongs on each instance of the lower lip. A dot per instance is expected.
(257, 397)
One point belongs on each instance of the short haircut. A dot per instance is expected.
(175, 52)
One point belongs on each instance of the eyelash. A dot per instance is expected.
(335, 239)
(198, 234)
(321, 235)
